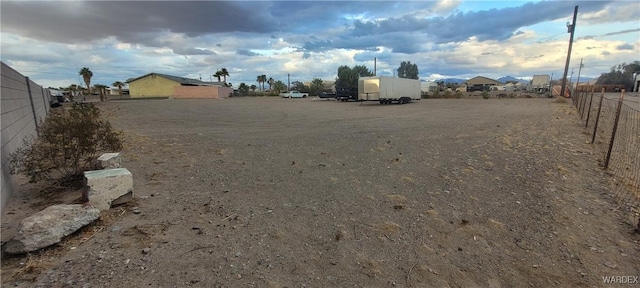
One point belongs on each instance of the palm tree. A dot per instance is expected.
(119, 85)
(101, 88)
(218, 74)
(86, 76)
(259, 80)
(224, 73)
(262, 79)
(270, 82)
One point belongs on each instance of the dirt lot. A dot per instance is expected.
(269, 192)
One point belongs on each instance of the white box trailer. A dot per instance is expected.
(540, 83)
(387, 89)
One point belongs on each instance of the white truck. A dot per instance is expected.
(293, 94)
(386, 90)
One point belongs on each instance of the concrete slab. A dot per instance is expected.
(109, 160)
(105, 186)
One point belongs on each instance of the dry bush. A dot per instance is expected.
(67, 144)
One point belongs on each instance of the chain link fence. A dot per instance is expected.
(612, 121)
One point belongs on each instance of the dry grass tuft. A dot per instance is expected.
(396, 198)
(389, 227)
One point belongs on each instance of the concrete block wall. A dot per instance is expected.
(23, 104)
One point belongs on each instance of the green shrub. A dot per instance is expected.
(447, 93)
(459, 94)
(485, 94)
(512, 95)
(68, 143)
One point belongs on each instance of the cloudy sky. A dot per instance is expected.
(50, 41)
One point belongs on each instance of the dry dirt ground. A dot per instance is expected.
(270, 192)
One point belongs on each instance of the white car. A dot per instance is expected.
(293, 94)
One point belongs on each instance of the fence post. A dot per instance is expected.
(615, 127)
(578, 102)
(584, 104)
(33, 107)
(595, 127)
(586, 123)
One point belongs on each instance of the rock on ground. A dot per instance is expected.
(106, 186)
(109, 160)
(49, 226)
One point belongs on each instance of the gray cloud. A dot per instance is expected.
(247, 52)
(77, 22)
(192, 51)
(621, 32)
(144, 22)
(625, 46)
(493, 24)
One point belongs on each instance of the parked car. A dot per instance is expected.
(293, 94)
(347, 93)
(327, 95)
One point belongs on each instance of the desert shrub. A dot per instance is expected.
(512, 95)
(485, 94)
(459, 94)
(560, 100)
(447, 93)
(436, 94)
(67, 145)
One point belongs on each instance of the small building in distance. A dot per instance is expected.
(162, 85)
(480, 83)
(428, 86)
(116, 92)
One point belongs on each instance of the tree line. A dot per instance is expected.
(87, 74)
(621, 74)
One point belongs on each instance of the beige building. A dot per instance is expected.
(162, 85)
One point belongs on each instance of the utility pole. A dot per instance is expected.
(570, 29)
(579, 70)
(374, 66)
(288, 82)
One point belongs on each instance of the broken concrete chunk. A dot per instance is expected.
(109, 160)
(107, 187)
(49, 226)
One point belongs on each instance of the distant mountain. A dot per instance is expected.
(508, 78)
(451, 80)
(505, 79)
